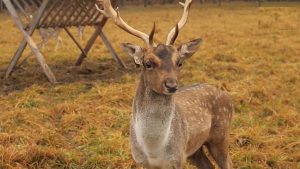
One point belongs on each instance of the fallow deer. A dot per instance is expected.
(47, 33)
(168, 123)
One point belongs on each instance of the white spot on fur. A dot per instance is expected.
(214, 102)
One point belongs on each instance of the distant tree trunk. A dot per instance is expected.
(1, 6)
(170, 1)
(146, 3)
(259, 2)
(122, 3)
(218, 2)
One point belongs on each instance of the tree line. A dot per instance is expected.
(163, 2)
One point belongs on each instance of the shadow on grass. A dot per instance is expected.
(66, 72)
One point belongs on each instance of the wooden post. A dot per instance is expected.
(75, 41)
(23, 44)
(94, 37)
(90, 42)
(29, 40)
(111, 49)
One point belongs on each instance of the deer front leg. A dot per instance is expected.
(200, 160)
(219, 151)
(174, 157)
(174, 164)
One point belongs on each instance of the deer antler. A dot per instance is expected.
(114, 14)
(174, 32)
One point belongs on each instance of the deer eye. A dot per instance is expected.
(149, 65)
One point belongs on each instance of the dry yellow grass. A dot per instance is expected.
(253, 52)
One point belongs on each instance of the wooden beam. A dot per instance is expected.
(85, 13)
(23, 44)
(76, 15)
(48, 14)
(26, 5)
(75, 41)
(91, 42)
(111, 49)
(91, 11)
(69, 16)
(63, 15)
(20, 7)
(29, 40)
(58, 10)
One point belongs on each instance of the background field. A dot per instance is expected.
(252, 52)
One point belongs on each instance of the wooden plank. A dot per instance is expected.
(83, 6)
(29, 2)
(26, 5)
(29, 40)
(93, 10)
(20, 7)
(111, 49)
(46, 16)
(75, 41)
(23, 43)
(94, 21)
(36, 3)
(57, 12)
(76, 15)
(62, 15)
(68, 15)
(91, 42)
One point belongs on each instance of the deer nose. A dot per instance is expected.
(171, 85)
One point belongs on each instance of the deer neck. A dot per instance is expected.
(152, 117)
(152, 104)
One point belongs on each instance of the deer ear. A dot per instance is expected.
(187, 50)
(135, 52)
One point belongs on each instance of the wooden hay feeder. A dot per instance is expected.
(56, 14)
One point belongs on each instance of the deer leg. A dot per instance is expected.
(43, 43)
(200, 160)
(59, 42)
(219, 152)
(176, 164)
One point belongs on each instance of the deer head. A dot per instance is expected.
(160, 63)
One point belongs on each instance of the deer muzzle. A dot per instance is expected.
(171, 85)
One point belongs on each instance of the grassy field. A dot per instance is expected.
(252, 52)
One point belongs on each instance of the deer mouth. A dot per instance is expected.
(170, 91)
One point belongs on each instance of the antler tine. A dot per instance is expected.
(174, 37)
(114, 14)
(181, 23)
(151, 36)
